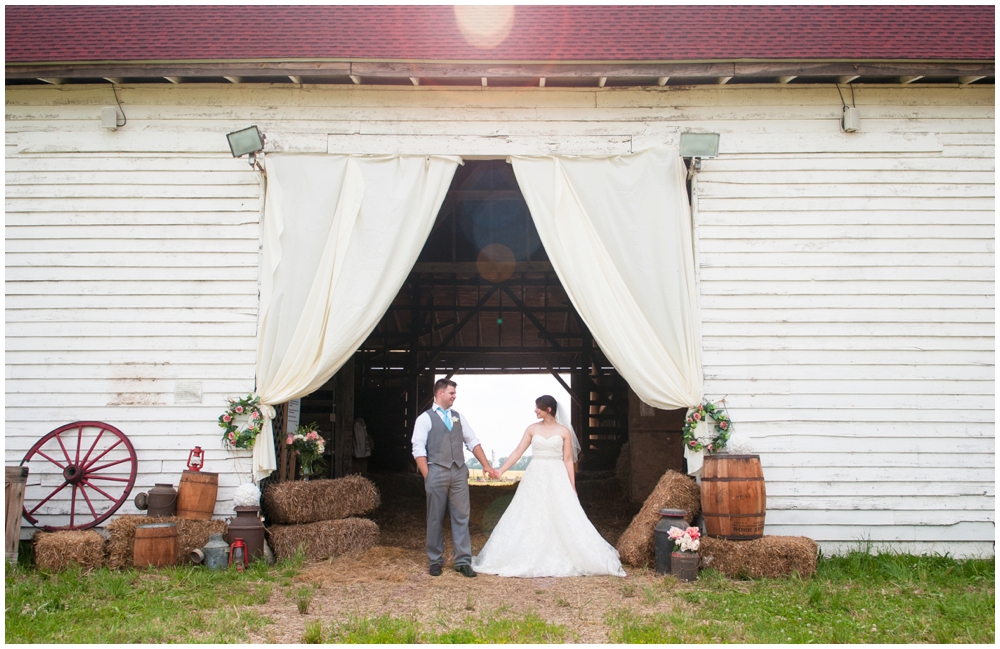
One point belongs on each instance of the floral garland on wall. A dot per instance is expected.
(234, 436)
(723, 427)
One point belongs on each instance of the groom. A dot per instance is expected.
(438, 436)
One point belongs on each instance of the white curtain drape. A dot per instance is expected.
(340, 235)
(618, 233)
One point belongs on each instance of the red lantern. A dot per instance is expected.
(196, 459)
(238, 553)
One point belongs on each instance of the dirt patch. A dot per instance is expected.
(392, 577)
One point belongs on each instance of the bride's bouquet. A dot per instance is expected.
(685, 540)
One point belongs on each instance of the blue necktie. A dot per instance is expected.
(447, 417)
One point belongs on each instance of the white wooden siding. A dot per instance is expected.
(846, 280)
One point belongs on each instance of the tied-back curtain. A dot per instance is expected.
(618, 233)
(340, 235)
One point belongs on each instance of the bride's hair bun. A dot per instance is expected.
(546, 402)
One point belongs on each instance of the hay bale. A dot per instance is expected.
(190, 535)
(55, 551)
(324, 539)
(300, 501)
(768, 556)
(674, 491)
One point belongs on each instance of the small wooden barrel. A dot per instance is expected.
(15, 478)
(155, 545)
(196, 495)
(733, 500)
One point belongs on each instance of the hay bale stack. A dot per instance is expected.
(768, 556)
(297, 502)
(190, 535)
(673, 491)
(324, 539)
(55, 551)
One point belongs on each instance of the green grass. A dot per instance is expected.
(858, 598)
(184, 604)
(497, 627)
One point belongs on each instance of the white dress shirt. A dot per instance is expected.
(423, 426)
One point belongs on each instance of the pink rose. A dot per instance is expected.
(289, 441)
(254, 415)
(693, 443)
(239, 409)
(226, 418)
(693, 532)
(697, 416)
(232, 437)
(709, 447)
(724, 425)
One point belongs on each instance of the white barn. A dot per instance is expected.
(845, 279)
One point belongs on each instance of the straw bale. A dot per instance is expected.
(673, 491)
(324, 539)
(190, 535)
(301, 501)
(768, 556)
(55, 551)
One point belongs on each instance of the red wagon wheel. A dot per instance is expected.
(82, 472)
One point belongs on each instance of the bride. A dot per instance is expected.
(545, 532)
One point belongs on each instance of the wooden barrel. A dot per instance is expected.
(155, 545)
(733, 500)
(15, 479)
(196, 495)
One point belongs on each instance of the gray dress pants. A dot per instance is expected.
(447, 487)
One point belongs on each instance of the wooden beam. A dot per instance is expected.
(601, 82)
(415, 81)
(233, 79)
(910, 79)
(972, 79)
(355, 79)
(472, 268)
(533, 70)
(847, 78)
(662, 81)
(786, 80)
(541, 82)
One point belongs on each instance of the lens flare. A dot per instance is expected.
(484, 26)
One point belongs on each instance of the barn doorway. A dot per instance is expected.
(482, 299)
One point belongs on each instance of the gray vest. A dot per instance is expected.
(444, 446)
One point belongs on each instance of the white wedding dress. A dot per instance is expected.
(545, 532)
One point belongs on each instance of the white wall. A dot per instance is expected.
(846, 279)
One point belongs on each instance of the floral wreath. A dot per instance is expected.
(723, 427)
(234, 437)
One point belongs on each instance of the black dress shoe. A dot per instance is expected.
(466, 571)
(435, 570)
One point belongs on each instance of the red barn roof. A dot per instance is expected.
(538, 34)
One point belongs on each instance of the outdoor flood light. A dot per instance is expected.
(246, 141)
(699, 145)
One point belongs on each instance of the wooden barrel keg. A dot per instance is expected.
(196, 495)
(733, 500)
(155, 545)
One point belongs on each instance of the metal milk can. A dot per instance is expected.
(661, 533)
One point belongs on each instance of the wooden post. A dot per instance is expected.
(15, 479)
(343, 427)
(283, 454)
